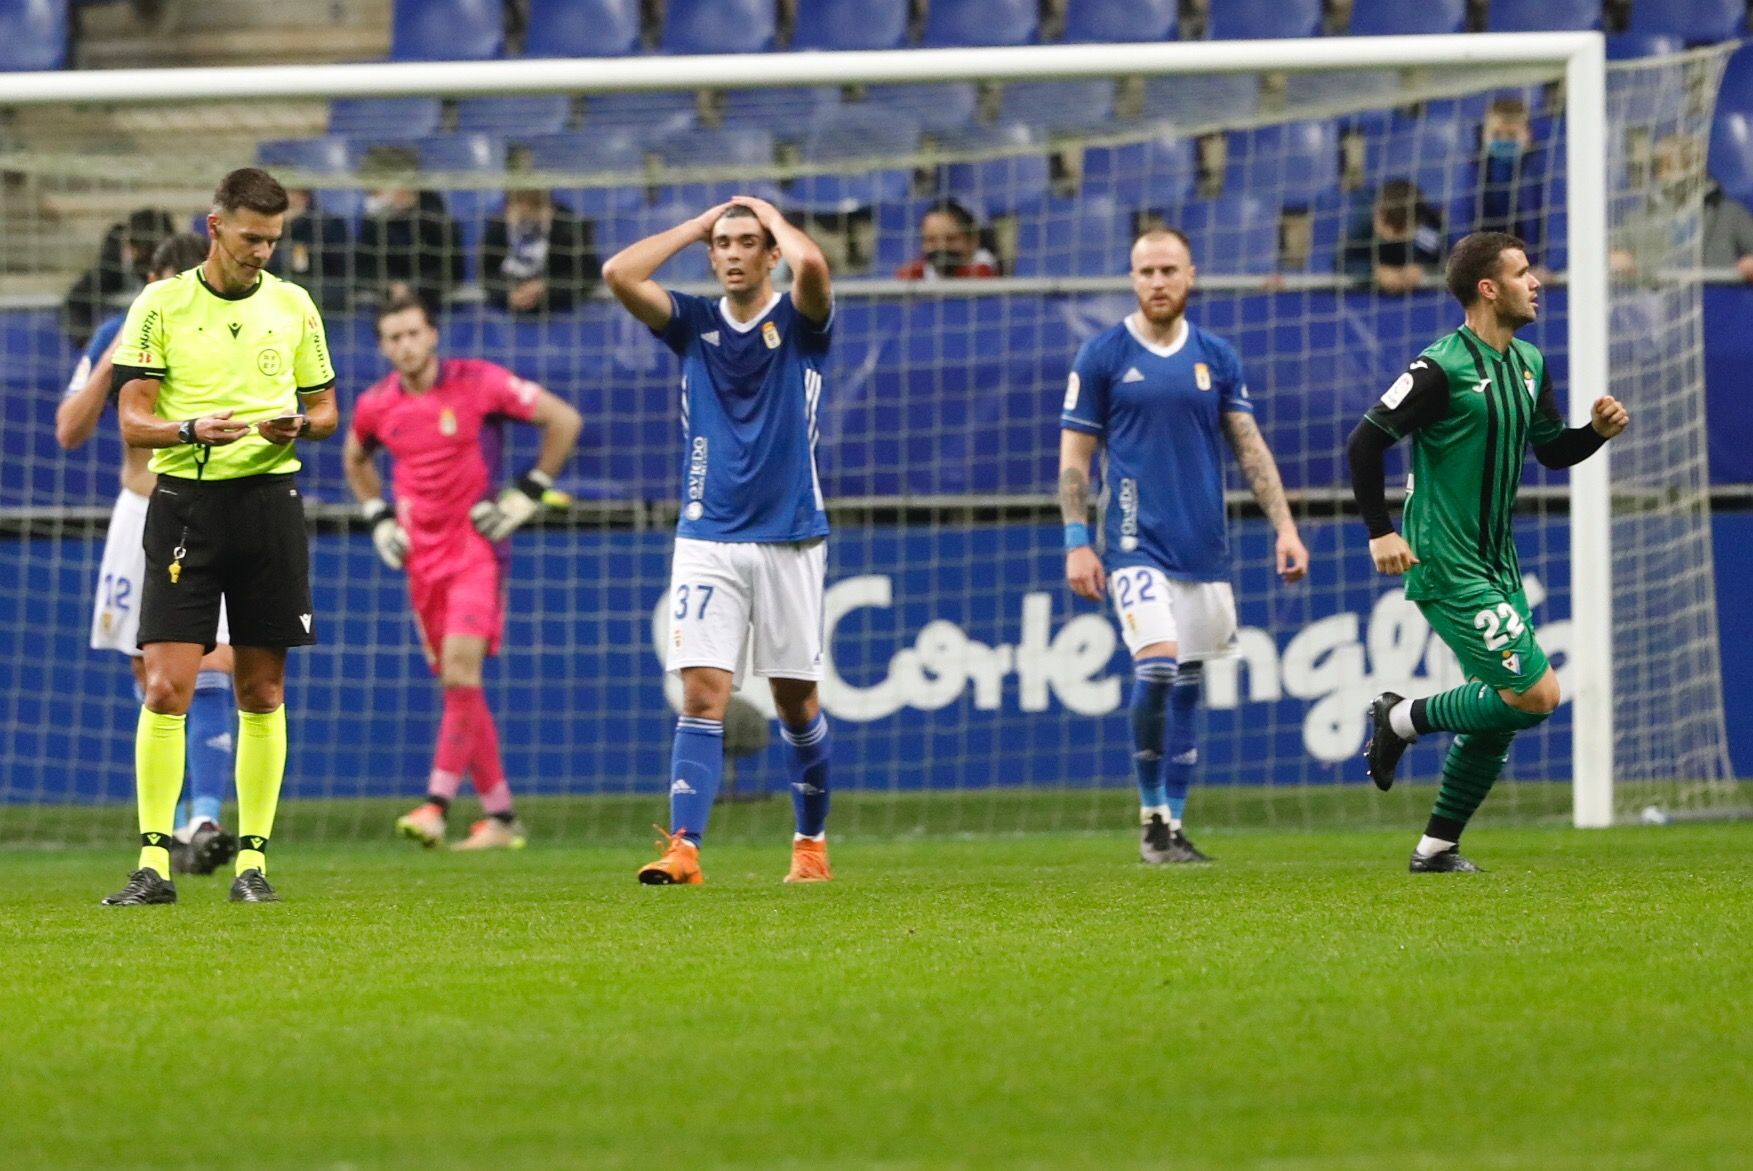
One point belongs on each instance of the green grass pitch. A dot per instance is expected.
(1004, 1001)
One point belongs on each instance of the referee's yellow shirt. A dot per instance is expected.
(253, 355)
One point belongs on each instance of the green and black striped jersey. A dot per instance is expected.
(1472, 413)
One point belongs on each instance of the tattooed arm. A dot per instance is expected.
(1083, 569)
(1262, 473)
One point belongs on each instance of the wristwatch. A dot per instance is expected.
(186, 433)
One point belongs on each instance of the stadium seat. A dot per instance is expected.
(1294, 162)
(1234, 234)
(788, 111)
(385, 117)
(1258, 20)
(612, 150)
(1066, 237)
(1200, 98)
(955, 23)
(1059, 105)
(850, 24)
(34, 35)
(1429, 151)
(1736, 92)
(1533, 16)
(517, 117)
(447, 30)
(1731, 153)
(1630, 46)
(1380, 18)
(330, 156)
(719, 26)
(1096, 22)
(582, 28)
(943, 106)
(1000, 184)
(617, 232)
(854, 132)
(1159, 173)
(1697, 21)
(724, 147)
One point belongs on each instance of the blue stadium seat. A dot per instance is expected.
(518, 117)
(1258, 20)
(943, 106)
(1431, 151)
(788, 111)
(1002, 184)
(1096, 22)
(897, 233)
(1533, 16)
(854, 132)
(850, 24)
(955, 23)
(386, 117)
(1731, 153)
(656, 113)
(719, 26)
(1292, 163)
(724, 147)
(1059, 105)
(1159, 173)
(582, 28)
(1736, 92)
(447, 30)
(1200, 98)
(1698, 21)
(1379, 18)
(1066, 237)
(33, 35)
(1233, 234)
(617, 232)
(612, 150)
(329, 156)
(1630, 46)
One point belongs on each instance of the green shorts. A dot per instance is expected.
(1492, 634)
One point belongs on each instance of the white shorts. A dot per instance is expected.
(1198, 616)
(115, 614)
(721, 592)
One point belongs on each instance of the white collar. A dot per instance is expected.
(1167, 351)
(751, 323)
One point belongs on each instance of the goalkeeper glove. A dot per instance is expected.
(387, 534)
(498, 519)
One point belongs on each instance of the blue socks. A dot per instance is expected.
(808, 763)
(696, 768)
(1182, 751)
(1152, 680)
(210, 738)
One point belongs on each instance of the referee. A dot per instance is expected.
(221, 368)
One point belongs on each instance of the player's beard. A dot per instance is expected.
(1163, 312)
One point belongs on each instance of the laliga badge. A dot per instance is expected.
(447, 422)
(1202, 376)
(770, 335)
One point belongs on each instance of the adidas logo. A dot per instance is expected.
(1132, 375)
(681, 788)
(710, 337)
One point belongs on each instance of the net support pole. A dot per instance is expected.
(1589, 673)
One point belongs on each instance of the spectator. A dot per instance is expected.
(313, 251)
(1728, 231)
(1399, 243)
(120, 270)
(1511, 170)
(1659, 235)
(536, 255)
(952, 248)
(407, 241)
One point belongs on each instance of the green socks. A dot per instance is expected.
(1469, 770)
(261, 766)
(158, 782)
(1471, 707)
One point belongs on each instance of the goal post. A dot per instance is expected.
(962, 675)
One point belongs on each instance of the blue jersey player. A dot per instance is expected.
(750, 554)
(1162, 397)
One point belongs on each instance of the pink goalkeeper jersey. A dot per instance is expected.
(446, 446)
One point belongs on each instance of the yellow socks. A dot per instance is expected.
(261, 765)
(158, 782)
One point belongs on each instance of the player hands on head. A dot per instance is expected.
(438, 419)
(225, 524)
(750, 552)
(1158, 392)
(1472, 402)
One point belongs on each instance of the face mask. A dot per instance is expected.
(1506, 150)
(943, 262)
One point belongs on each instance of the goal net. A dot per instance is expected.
(969, 691)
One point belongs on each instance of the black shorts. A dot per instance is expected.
(243, 540)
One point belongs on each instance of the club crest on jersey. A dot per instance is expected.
(1528, 381)
(770, 335)
(1512, 662)
(447, 422)
(1202, 376)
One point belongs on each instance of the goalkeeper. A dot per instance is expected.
(1473, 402)
(440, 421)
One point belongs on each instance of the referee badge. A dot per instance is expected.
(1202, 376)
(770, 335)
(447, 422)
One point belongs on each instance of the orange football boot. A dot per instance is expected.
(809, 861)
(679, 866)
